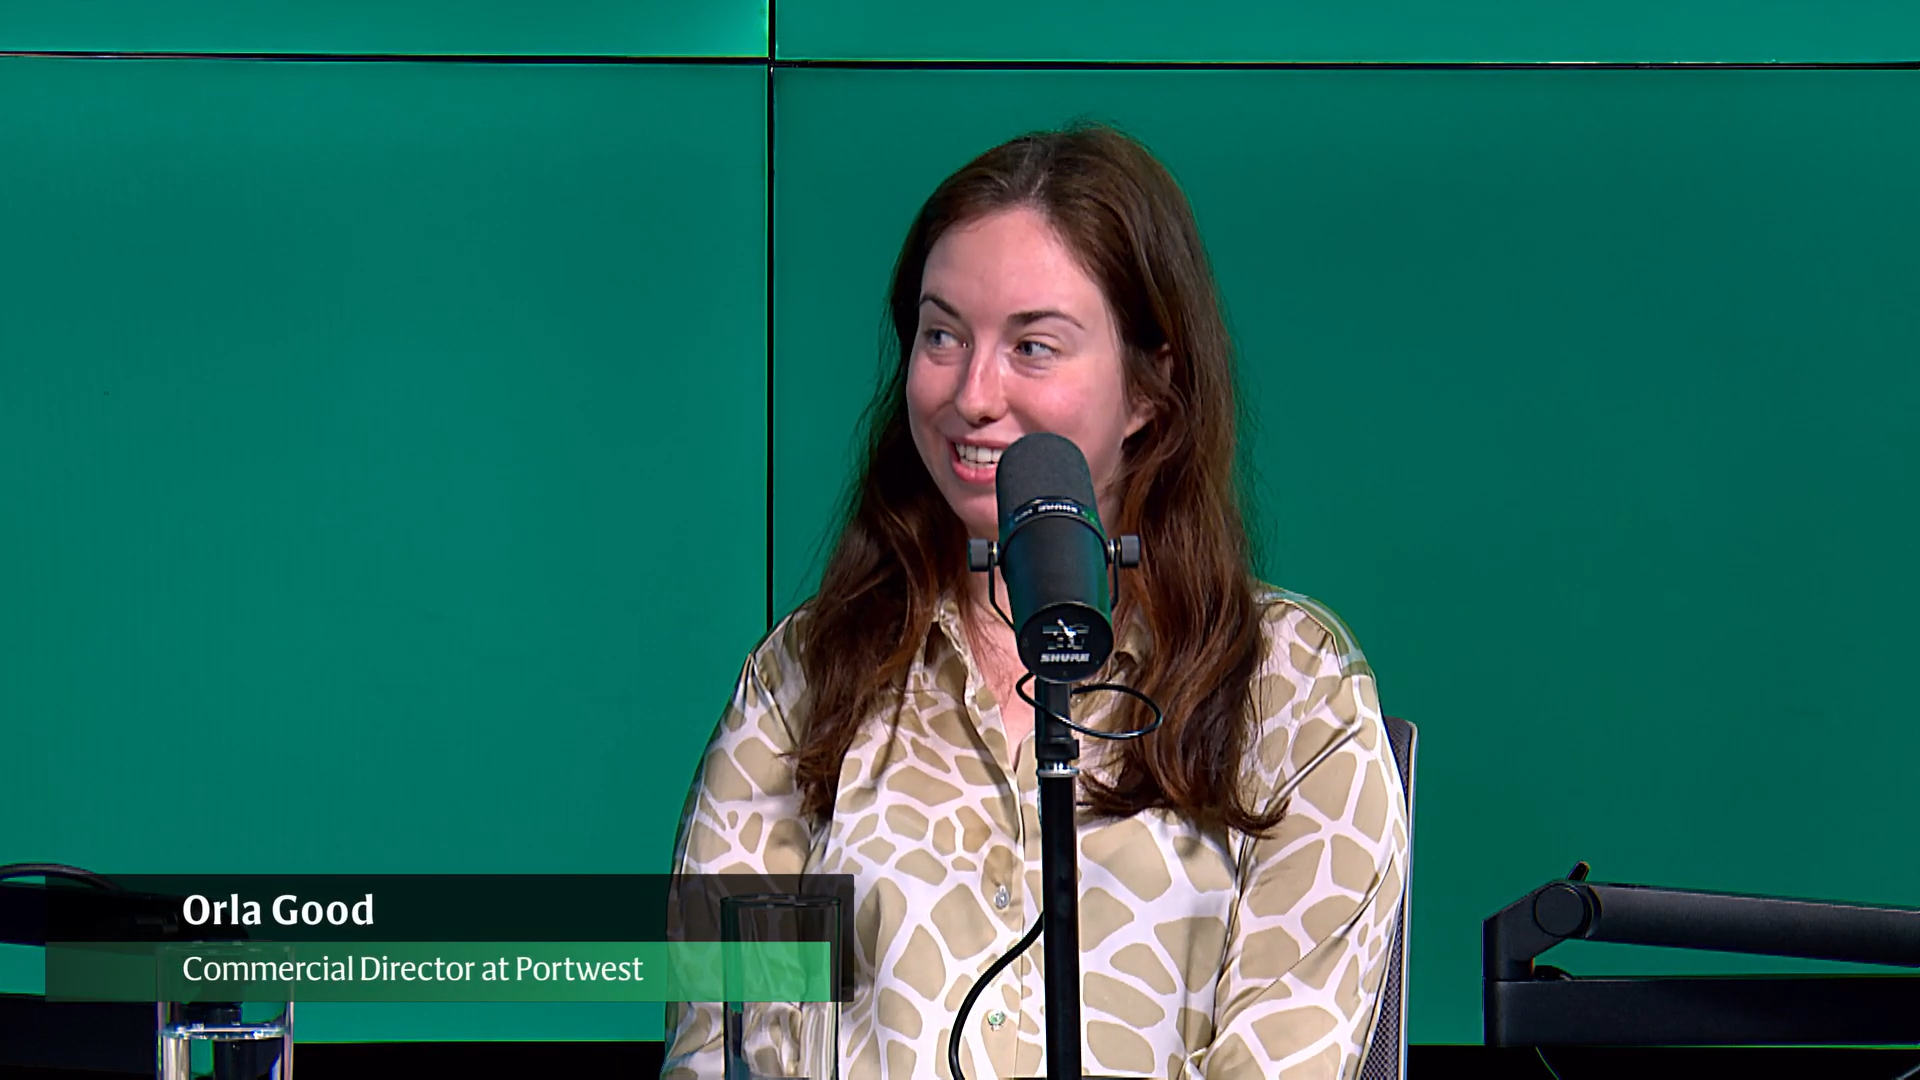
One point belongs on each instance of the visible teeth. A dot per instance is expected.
(978, 455)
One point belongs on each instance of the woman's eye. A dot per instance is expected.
(934, 335)
(1038, 345)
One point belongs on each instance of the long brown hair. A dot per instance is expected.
(902, 547)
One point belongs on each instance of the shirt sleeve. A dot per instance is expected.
(1320, 894)
(742, 815)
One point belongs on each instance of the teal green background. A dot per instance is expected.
(1210, 31)
(342, 415)
(385, 456)
(412, 27)
(1584, 398)
(1358, 31)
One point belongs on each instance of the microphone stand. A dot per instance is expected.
(1055, 753)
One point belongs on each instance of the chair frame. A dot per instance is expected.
(1386, 1055)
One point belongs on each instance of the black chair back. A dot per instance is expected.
(1387, 1052)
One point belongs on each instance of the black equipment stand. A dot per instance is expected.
(1055, 754)
(1527, 1005)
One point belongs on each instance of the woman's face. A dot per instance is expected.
(1014, 338)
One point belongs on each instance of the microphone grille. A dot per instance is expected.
(1042, 466)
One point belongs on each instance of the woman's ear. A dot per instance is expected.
(1143, 410)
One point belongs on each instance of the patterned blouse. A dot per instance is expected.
(1204, 953)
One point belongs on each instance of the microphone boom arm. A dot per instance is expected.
(1529, 1006)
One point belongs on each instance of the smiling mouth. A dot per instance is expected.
(976, 466)
(980, 457)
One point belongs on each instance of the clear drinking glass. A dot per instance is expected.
(231, 1045)
(780, 1040)
(224, 1039)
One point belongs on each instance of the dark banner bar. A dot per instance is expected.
(417, 908)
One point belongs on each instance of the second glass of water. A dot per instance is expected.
(781, 1040)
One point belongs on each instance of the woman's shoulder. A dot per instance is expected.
(774, 662)
(1305, 634)
(1313, 695)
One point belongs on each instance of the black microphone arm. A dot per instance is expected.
(1527, 1005)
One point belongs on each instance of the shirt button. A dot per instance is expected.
(996, 1018)
(1001, 898)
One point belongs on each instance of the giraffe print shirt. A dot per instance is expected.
(1204, 954)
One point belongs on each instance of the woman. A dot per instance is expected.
(1238, 896)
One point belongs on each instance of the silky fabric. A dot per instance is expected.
(1205, 952)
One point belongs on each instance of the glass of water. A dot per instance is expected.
(224, 1039)
(202, 1039)
(779, 1040)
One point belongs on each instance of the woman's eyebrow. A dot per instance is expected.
(1022, 318)
(937, 301)
(1018, 318)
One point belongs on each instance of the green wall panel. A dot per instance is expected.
(1585, 396)
(582, 27)
(1390, 31)
(345, 415)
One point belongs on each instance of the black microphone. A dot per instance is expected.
(1053, 555)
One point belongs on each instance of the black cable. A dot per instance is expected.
(1159, 716)
(966, 1004)
(1020, 688)
(1542, 1055)
(55, 870)
(993, 598)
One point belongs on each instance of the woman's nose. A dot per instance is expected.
(981, 397)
